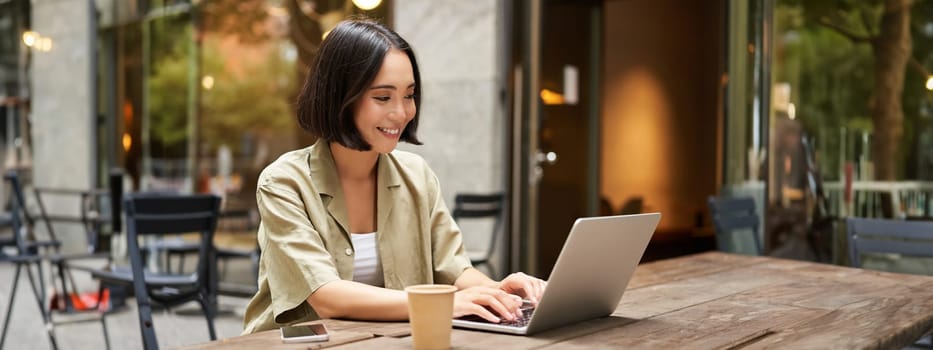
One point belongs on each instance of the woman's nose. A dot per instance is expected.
(399, 111)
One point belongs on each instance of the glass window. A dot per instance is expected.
(14, 83)
(744, 127)
(850, 111)
(203, 92)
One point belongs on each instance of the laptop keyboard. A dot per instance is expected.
(527, 310)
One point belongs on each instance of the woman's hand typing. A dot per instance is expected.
(489, 303)
(529, 287)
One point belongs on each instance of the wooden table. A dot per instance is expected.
(705, 301)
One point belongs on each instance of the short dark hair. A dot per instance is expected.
(346, 64)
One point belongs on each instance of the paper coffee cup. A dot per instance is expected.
(430, 314)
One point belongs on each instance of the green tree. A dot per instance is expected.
(884, 28)
(168, 86)
(250, 101)
(242, 19)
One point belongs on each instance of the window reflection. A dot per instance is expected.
(202, 91)
(856, 140)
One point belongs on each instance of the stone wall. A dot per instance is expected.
(459, 49)
(62, 111)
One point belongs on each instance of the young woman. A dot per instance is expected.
(349, 222)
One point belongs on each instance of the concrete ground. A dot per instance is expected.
(183, 325)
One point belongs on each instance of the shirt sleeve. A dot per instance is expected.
(298, 260)
(450, 258)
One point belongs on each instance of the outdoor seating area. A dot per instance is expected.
(175, 328)
(55, 295)
(185, 325)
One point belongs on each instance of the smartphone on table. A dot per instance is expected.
(304, 333)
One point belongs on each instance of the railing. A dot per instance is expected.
(907, 199)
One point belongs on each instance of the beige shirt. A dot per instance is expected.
(305, 239)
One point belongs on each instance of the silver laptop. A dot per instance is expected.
(589, 277)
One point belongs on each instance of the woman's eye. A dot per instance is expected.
(410, 97)
(382, 98)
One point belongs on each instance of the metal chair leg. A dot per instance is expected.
(208, 308)
(146, 326)
(61, 276)
(103, 325)
(9, 310)
(40, 300)
(103, 314)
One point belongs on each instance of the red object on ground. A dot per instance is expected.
(82, 301)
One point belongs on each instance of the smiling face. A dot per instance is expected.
(388, 105)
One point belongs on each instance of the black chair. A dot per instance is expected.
(27, 255)
(175, 250)
(481, 206)
(94, 206)
(888, 236)
(162, 214)
(178, 251)
(732, 215)
(31, 247)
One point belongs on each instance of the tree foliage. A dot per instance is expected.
(168, 85)
(249, 96)
(251, 101)
(243, 19)
(852, 68)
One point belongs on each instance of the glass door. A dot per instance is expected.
(555, 167)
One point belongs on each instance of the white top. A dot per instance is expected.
(366, 265)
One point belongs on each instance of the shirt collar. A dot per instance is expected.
(324, 172)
